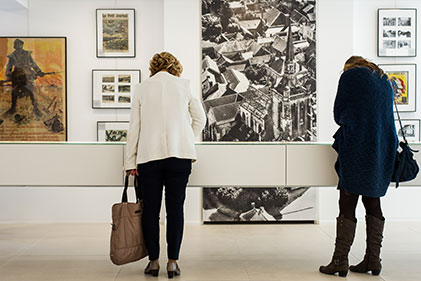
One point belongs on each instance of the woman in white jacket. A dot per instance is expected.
(164, 120)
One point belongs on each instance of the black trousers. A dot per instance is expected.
(174, 174)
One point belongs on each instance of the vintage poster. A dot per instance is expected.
(33, 89)
(399, 81)
(115, 32)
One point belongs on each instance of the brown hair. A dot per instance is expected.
(167, 62)
(357, 61)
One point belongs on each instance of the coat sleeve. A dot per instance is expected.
(134, 132)
(197, 114)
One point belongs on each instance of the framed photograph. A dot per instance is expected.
(115, 33)
(33, 89)
(248, 205)
(397, 32)
(113, 88)
(112, 131)
(411, 128)
(403, 80)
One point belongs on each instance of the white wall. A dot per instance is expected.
(344, 28)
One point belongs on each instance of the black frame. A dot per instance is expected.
(415, 84)
(65, 71)
(419, 127)
(111, 70)
(378, 31)
(97, 126)
(134, 32)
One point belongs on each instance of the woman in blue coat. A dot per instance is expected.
(366, 144)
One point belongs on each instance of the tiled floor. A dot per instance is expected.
(209, 253)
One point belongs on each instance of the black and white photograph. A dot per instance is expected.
(411, 129)
(389, 21)
(124, 89)
(404, 44)
(404, 21)
(124, 99)
(108, 98)
(394, 25)
(245, 204)
(112, 131)
(259, 70)
(107, 79)
(389, 44)
(115, 33)
(389, 33)
(402, 33)
(108, 88)
(120, 83)
(124, 79)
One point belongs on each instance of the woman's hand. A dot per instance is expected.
(132, 172)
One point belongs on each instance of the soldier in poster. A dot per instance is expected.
(22, 71)
(32, 102)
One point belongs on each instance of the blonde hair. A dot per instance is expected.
(357, 61)
(167, 62)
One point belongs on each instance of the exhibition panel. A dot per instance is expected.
(64, 164)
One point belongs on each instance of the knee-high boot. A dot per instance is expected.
(371, 261)
(345, 233)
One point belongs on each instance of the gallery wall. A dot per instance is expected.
(344, 28)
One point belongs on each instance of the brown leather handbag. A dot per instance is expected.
(127, 243)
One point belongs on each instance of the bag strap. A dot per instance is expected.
(136, 189)
(400, 122)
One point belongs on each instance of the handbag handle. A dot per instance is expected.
(136, 189)
(400, 122)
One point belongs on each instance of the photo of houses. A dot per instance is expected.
(259, 70)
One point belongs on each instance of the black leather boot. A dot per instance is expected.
(345, 233)
(371, 261)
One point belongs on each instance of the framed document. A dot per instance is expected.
(115, 33)
(397, 33)
(113, 88)
(112, 131)
(403, 80)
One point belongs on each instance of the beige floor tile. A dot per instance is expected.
(191, 269)
(63, 268)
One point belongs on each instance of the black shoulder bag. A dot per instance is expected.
(406, 167)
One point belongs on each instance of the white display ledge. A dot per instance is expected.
(219, 164)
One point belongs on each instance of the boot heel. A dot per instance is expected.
(171, 274)
(375, 272)
(155, 272)
(343, 273)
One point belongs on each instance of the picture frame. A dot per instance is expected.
(397, 32)
(33, 97)
(112, 131)
(411, 127)
(115, 33)
(403, 78)
(114, 88)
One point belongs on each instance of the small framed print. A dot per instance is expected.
(397, 32)
(403, 80)
(112, 131)
(115, 33)
(411, 128)
(113, 88)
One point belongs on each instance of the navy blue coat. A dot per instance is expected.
(366, 140)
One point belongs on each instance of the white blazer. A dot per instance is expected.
(165, 118)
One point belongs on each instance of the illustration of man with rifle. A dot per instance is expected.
(22, 71)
